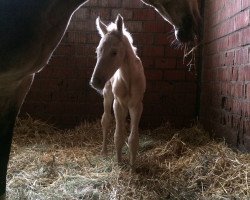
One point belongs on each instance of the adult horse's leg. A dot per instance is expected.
(106, 117)
(9, 108)
(133, 140)
(3, 197)
(120, 129)
(7, 121)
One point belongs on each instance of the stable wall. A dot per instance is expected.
(61, 93)
(225, 98)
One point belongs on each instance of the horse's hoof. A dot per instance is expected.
(3, 197)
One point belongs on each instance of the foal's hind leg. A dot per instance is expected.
(9, 108)
(106, 117)
(120, 129)
(133, 140)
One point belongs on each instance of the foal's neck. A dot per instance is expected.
(128, 65)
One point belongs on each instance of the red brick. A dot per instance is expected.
(92, 38)
(143, 38)
(237, 90)
(81, 26)
(174, 75)
(242, 20)
(160, 87)
(65, 49)
(166, 63)
(148, 62)
(186, 88)
(174, 53)
(131, 4)
(84, 50)
(229, 58)
(245, 36)
(153, 74)
(134, 26)
(191, 75)
(234, 40)
(126, 13)
(234, 73)
(81, 14)
(92, 3)
(245, 4)
(104, 14)
(241, 56)
(110, 3)
(248, 91)
(144, 14)
(153, 51)
(227, 51)
(224, 29)
(153, 26)
(163, 38)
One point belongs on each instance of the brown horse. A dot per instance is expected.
(29, 33)
(183, 15)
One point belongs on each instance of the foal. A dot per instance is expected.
(120, 72)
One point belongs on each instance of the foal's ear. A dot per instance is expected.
(119, 23)
(101, 27)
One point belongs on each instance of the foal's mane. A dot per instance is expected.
(112, 28)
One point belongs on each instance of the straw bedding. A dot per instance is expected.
(50, 164)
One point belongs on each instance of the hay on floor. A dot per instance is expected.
(47, 163)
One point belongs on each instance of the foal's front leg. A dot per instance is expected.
(120, 129)
(108, 98)
(133, 140)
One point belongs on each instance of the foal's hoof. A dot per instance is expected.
(104, 153)
(3, 197)
(123, 165)
(132, 168)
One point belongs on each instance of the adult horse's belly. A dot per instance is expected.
(23, 64)
(28, 37)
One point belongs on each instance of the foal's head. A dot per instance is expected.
(182, 14)
(110, 52)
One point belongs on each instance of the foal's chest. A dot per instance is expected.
(120, 89)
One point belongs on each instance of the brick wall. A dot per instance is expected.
(61, 93)
(225, 99)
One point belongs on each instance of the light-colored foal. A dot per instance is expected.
(118, 63)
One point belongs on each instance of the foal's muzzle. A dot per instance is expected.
(97, 83)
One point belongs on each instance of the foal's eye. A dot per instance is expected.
(114, 53)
